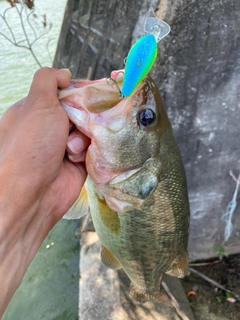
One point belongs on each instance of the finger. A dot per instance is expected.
(63, 78)
(77, 142)
(72, 127)
(50, 77)
(80, 157)
(45, 83)
(74, 176)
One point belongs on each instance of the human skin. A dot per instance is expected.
(41, 174)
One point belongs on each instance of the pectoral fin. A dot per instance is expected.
(109, 217)
(79, 208)
(109, 260)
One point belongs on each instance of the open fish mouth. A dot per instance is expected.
(94, 95)
(96, 101)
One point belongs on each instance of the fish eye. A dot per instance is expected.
(146, 117)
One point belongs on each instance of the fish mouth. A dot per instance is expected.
(94, 95)
(92, 101)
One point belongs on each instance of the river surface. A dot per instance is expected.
(49, 290)
(17, 65)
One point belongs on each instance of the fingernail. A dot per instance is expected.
(77, 157)
(75, 144)
(67, 70)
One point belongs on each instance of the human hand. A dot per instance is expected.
(38, 182)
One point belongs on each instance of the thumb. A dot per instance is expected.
(67, 187)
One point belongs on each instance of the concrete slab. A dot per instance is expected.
(104, 293)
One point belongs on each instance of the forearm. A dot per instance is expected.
(23, 227)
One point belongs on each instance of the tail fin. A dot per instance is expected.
(167, 298)
(145, 296)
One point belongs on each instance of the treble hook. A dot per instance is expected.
(114, 80)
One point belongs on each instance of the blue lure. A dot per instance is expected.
(139, 62)
(143, 54)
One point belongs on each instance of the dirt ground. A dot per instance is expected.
(209, 302)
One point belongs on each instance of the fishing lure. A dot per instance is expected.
(142, 55)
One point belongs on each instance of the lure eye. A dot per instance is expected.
(146, 117)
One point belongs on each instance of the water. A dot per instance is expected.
(49, 290)
(17, 66)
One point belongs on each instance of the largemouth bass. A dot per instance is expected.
(136, 186)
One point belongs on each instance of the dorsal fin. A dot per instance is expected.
(80, 208)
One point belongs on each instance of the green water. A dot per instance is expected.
(49, 290)
(17, 66)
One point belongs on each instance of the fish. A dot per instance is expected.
(136, 188)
